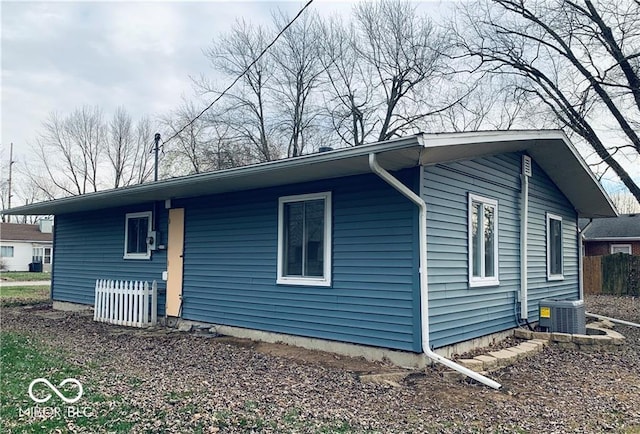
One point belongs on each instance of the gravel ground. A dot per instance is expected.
(180, 382)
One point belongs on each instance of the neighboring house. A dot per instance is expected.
(335, 248)
(22, 244)
(612, 235)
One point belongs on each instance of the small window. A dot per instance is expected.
(136, 232)
(47, 255)
(6, 251)
(621, 248)
(37, 254)
(483, 241)
(304, 239)
(554, 248)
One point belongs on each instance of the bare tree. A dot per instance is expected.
(81, 153)
(406, 54)
(298, 68)
(578, 59)
(78, 142)
(28, 192)
(348, 98)
(247, 106)
(625, 203)
(127, 149)
(208, 143)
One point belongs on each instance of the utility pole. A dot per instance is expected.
(157, 140)
(9, 186)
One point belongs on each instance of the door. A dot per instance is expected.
(175, 250)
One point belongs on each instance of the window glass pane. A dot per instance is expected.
(47, 255)
(475, 238)
(621, 249)
(489, 241)
(6, 251)
(36, 254)
(137, 231)
(314, 238)
(556, 246)
(293, 234)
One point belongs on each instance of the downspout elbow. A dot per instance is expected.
(424, 285)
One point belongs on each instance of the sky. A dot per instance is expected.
(59, 56)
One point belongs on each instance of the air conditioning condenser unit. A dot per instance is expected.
(563, 316)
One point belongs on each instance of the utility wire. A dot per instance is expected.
(262, 53)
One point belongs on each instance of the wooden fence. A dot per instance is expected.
(127, 303)
(617, 274)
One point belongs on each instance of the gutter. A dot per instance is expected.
(424, 285)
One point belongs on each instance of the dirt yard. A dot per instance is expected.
(184, 382)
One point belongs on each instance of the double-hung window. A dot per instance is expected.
(137, 230)
(6, 251)
(483, 241)
(304, 239)
(554, 247)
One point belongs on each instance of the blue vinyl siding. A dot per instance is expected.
(458, 312)
(230, 260)
(544, 197)
(90, 246)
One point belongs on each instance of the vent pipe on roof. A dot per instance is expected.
(424, 284)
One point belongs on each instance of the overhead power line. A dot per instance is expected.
(242, 74)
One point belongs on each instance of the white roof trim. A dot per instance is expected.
(551, 149)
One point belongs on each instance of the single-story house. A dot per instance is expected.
(607, 236)
(23, 244)
(431, 241)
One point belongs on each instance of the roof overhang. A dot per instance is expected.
(614, 239)
(550, 149)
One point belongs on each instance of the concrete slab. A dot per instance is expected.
(544, 342)
(530, 348)
(538, 344)
(583, 339)
(487, 361)
(561, 337)
(542, 335)
(473, 364)
(523, 334)
(504, 357)
(520, 352)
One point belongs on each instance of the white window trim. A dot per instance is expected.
(475, 281)
(305, 281)
(126, 235)
(627, 246)
(549, 275)
(13, 252)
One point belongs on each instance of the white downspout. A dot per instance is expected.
(424, 291)
(581, 257)
(524, 232)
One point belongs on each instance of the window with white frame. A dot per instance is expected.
(137, 230)
(554, 247)
(621, 248)
(483, 241)
(37, 254)
(47, 255)
(6, 251)
(304, 239)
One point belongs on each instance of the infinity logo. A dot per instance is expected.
(55, 390)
